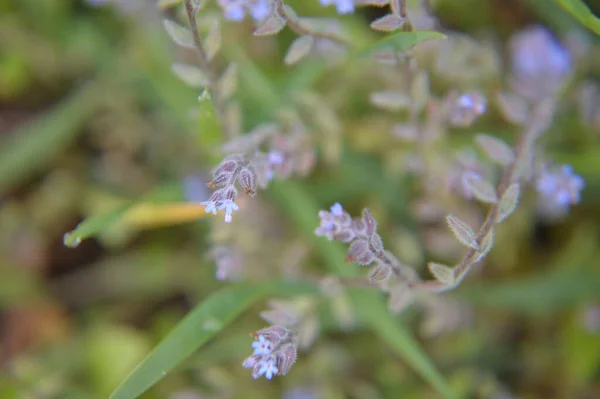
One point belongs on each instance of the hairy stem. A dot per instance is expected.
(206, 66)
(523, 153)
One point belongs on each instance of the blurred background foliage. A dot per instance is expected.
(91, 118)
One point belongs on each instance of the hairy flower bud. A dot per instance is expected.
(247, 179)
(359, 252)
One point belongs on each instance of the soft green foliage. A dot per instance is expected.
(98, 138)
(210, 317)
(581, 11)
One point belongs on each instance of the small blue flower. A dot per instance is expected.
(210, 207)
(337, 210)
(560, 187)
(235, 10)
(342, 6)
(229, 206)
(262, 346)
(267, 368)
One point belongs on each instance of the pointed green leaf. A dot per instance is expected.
(207, 319)
(581, 11)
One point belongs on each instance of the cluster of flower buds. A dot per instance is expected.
(559, 187)
(233, 168)
(342, 6)
(274, 352)
(236, 10)
(366, 246)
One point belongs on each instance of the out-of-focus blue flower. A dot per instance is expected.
(539, 63)
(342, 6)
(236, 10)
(560, 187)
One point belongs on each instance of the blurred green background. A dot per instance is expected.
(91, 117)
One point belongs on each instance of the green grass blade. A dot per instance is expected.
(373, 310)
(31, 147)
(97, 224)
(303, 212)
(207, 319)
(582, 13)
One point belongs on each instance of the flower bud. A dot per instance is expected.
(360, 253)
(247, 179)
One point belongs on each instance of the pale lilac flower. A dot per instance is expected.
(274, 352)
(210, 206)
(262, 346)
(466, 108)
(275, 158)
(337, 210)
(229, 263)
(229, 206)
(560, 187)
(539, 63)
(267, 368)
(342, 6)
(260, 9)
(236, 10)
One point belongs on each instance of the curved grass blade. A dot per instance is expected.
(131, 211)
(582, 13)
(207, 319)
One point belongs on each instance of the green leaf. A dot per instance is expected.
(371, 307)
(580, 10)
(401, 41)
(97, 224)
(31, 147)
(207, 319)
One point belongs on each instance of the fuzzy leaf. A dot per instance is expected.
(486, 245)
(496, 149)
(442, 273)
(462, 231)
(299, 49)
(212, 42)
(179, 34)
(190, 75)
(481, 188)
(271, 26)
(419, 91)
(508, 202)
(390, 100)
(513, 108)
(380, 273)
(405, 132)
(388, 23)
(228, 82)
